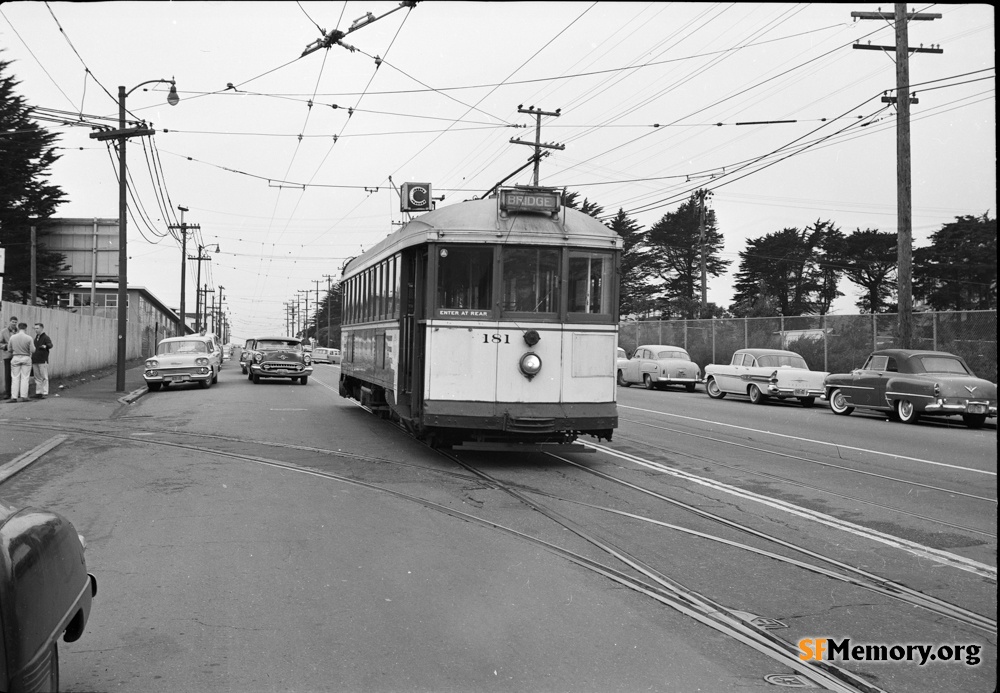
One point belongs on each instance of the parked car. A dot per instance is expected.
(182, 360)
(657, 365)
(280, 357)
(325, 355)
(764, 373)
(908, 384)
(621, 358)
(45, 593)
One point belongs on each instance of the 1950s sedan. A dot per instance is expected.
(279, 357)
(657, 366)
(183, 360)
(764, 373)
(45, 594)
(908, 384)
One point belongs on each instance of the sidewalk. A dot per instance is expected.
(91, 387)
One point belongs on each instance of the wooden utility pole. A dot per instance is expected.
(183, 228)
(702, 194)
(538, 144)
(904, 244)
(329, 288)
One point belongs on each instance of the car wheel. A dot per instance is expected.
(807, 401)
(647, 381)
(906, 412)
(243, 369)
(621, 379)
(255, 378)
(215, 377)
(838, 403)
(713, 389)
(304, 379)
(974, 420)
(689, 387)
(153, 387)
(756, 396)
(205, 384)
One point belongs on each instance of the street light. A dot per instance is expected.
(123, 134)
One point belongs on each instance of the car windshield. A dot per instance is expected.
(190, 346)
(782, 360)
(274, 344)
(673, 354)
(943, 364)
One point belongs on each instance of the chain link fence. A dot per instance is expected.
(832, 343)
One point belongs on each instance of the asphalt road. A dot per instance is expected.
(269, 538)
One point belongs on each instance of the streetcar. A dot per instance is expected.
(490, 324)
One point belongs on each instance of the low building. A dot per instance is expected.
(100, 299)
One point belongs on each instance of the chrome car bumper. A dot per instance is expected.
(271, 370)
(177, 375)
(775, 391)
(973, 407)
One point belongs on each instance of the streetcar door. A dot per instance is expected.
(414, 301)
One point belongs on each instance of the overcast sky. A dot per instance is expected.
(288, 162)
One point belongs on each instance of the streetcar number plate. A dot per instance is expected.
(977, 408)
(801, 392)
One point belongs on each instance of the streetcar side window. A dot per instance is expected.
(590, 282)
(464, 279)
(530, 279)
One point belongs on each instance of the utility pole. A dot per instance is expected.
(317, 282)
(197, 285)
(305, 316)
(183, 228)
(702, 194)
(904, 242)
(329, 288)
(218, 315)
(538, 144)
(205, 292)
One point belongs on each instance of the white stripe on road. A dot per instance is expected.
(815, 442)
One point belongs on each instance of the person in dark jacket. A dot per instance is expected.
(40, 361)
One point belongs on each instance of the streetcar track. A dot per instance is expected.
(812, 461)
(944, 557)
(819, 489)
(662, 589)
(838, 446)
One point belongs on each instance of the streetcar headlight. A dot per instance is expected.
(530, 364)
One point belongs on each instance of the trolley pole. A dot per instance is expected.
(538, 144)
(903, 99)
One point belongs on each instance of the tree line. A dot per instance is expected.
(794, 271)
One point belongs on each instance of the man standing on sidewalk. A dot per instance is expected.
(40, 361)
(21, 346)
(5, 335)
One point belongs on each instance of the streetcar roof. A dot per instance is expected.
(478, 221)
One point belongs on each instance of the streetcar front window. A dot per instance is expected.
(590, 282)
(530, 279)
(465, 278)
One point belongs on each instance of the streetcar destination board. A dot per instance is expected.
(544, 201)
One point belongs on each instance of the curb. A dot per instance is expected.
(133, 396)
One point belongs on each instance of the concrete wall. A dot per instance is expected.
(81, 342)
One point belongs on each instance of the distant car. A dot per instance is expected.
(183, 360)
(45, 593)
(246, 353)
(325, 355)
(280, 357)
(908, 384)
(656, 366)
(764, 373)
(621, 358)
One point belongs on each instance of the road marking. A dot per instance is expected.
(18, 463)
(937, 555)
(816, 442)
